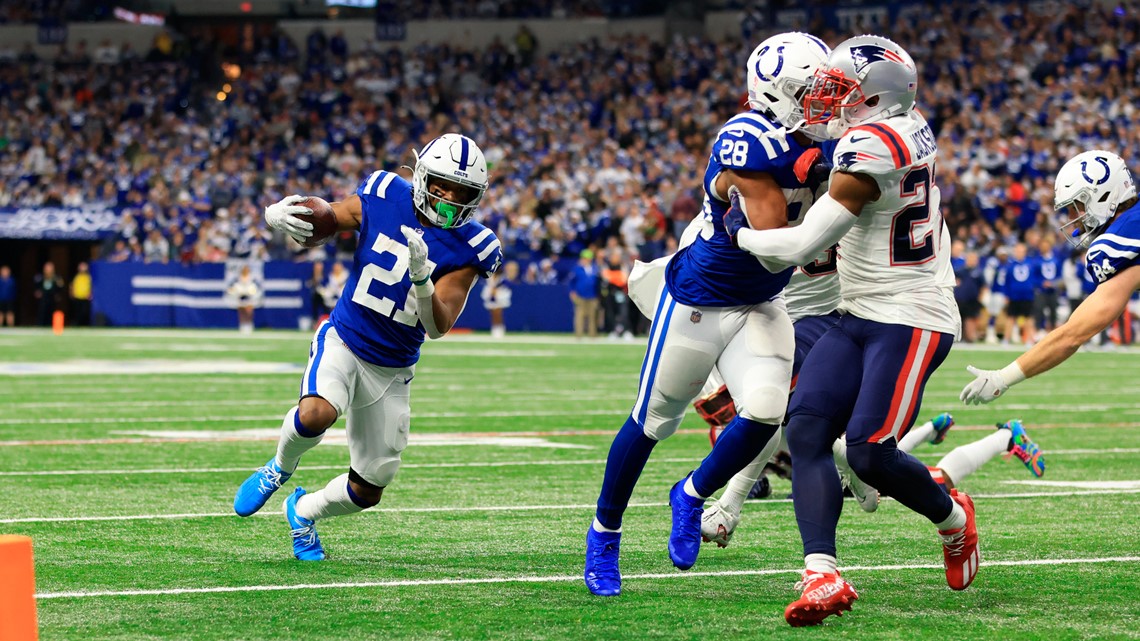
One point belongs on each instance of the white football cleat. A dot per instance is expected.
(867, 496)
(718, 524)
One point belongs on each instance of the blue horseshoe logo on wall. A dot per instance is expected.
(1103, 163)
(779, 63)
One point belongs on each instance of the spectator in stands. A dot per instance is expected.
(584, 294)
(547, 274)
(334, 285)
(7, 297)
(81, 297)
(50, 294)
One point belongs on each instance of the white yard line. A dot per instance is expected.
(137, 420)
(227, 470)
(558, 578)
(477, 464)
(506, 508)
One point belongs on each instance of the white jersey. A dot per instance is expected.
(895, 262)
(814, 288)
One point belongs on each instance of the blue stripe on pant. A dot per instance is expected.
(653, 355)
(309, 383)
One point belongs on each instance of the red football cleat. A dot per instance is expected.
(960, 547)
(823, 595)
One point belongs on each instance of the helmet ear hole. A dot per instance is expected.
(1103, 198)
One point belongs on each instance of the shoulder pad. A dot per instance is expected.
(873, 148)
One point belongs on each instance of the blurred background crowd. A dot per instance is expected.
(596, 149)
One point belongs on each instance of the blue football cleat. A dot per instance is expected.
(1024, 448)
(256, 490)
(685, 537)
(603, 577)
(942, 424)
(306, 545)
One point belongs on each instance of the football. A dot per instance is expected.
(323, 219)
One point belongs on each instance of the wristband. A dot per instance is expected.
(1012, 374)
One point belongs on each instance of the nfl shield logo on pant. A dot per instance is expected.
(695, 317)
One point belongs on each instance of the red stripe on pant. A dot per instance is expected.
(900, 389)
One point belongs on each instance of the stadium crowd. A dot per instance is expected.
(598, 146)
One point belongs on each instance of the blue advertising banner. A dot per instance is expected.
(58, 223)
(155, 295)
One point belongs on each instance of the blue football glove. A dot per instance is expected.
(734, 218)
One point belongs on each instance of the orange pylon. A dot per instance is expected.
(17, 589)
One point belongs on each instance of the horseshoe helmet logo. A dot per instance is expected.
(1103, 162)
(779, 63)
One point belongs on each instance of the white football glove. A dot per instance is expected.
(281, 216)
(418, 266)
(987, 385)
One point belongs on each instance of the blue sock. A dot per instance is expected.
(300, 427)
(816, 491)
(628, 454)
(739, 443)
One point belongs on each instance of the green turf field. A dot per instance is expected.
(120, 452)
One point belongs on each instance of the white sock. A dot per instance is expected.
(331, 501)
(917, 436)
(291, 445)
(740, 485)
(956, 520)
(965, 460)
(822, 563)
(598, 527)
(691, 489)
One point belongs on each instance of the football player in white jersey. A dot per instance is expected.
(866, 375)
(1097, 190)
(362, 360)
(719, 307)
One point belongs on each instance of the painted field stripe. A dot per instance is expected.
(226, 470)
(559, 578)
(136, 420)
(505, 508)
(546, 434)
(480, 464)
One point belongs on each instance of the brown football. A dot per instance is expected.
(323, 219)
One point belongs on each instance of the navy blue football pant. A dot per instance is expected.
(809, 330)
(866, 379)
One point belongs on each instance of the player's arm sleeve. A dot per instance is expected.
(488, 252)
(1097, 312)
(378, 189)
(826, 222)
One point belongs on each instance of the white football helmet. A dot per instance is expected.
(1094, 184)
(866, 78)
(456, 159)
(779, 71)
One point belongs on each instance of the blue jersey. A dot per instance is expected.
(376, 316)
(712, 272)
(1020, 282)
(1117, 248)
(1049, 271)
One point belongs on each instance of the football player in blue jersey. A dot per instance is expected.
(1096, 189)
(720, 307)
(417, 258)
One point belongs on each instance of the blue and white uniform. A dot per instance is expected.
(363, 358)
(719, 306)
(1117, 249)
